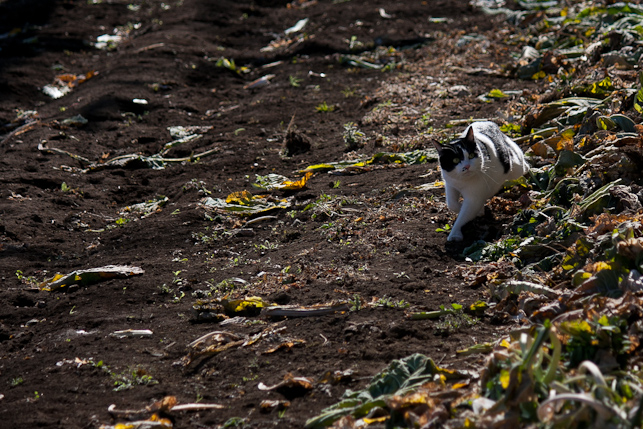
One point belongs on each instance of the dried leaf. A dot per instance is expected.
(244, 204)
(285, 345)
(64, 83)
(258, 83)
(90, 276)
(290, 383)
(212, 343)
(276, 181)
(132, 333)
(251, 305)
(145, 209)
(298, 311)
(269, 405)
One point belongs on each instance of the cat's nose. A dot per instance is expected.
(465, 167)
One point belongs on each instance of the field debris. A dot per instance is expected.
(244, 203)
(259, 83)
(219, 309)
(144, 209)
(64, 83)
(132, 333)
(267, 405)
(133, 160)
(297, 27)
(90, 276)
(184, 134)
(477, 308)
(290, 38)
(108, 41)
(295, 142)
(309, 311)
(395, 390)
(217, 342)
(378, 160)
(290, 386)
(273, 181)
(156, 415)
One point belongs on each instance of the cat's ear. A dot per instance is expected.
(437, 146)
(470, 137)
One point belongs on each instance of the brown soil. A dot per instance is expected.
(370, 235)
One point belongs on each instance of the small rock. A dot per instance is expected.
(295, 142)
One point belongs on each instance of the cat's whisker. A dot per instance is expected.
(487, 176)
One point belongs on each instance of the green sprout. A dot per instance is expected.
(295, 82)
(445, 228)
(325, 108)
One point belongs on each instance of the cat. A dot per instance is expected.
(475, 166)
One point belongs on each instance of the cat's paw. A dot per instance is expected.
(455, 236)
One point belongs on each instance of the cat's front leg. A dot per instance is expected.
(470, 209)
(455, 234)
(453, 198)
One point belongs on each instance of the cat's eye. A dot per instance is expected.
(456, 161)
(472, 155)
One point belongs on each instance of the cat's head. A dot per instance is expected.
(459, 157)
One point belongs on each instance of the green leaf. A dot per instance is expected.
(638, 103)
(474, 251)
(616, 121)
(510, 128)
(605, 123)
(572, 110)
(478, 307)
(600, 88)
(399, 378)
(590, 11)
(624, 123)
(567, 159)
(624, 8)
(496, 93)
(594, 203)
(521, 181)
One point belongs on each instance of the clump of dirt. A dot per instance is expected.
(295, 142)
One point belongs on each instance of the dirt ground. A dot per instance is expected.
(366, 237)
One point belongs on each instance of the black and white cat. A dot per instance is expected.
(475, 166)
